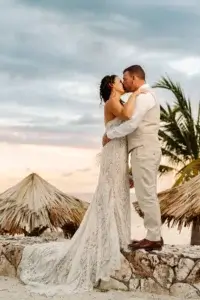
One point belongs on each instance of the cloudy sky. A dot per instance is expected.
(53, 55)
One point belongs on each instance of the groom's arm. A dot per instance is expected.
(144, 102)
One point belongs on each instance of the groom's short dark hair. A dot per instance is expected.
(136, 70)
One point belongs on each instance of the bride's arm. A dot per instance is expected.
(124, 112)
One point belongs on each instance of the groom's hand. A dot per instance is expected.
(105, 140)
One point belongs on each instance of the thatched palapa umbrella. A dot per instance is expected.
(33, 205)
(180, 206)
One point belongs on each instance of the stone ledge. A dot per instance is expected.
(173, 271)
(11, 249)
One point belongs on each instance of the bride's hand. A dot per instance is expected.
(140, 91)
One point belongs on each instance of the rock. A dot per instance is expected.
(13, 253)
(140, 263)
(10, 256)
(11, 249)
(197, 286)
(125, 273)
(150, 286)
(170, 259)
(185, 265)
(6, 269)
(183, 290)
(186, 251)
(134, 284)
(112, 284)
(117, 285)
(164, 275)
(154, 260)
(194, 276)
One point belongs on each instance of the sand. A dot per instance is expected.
(12, 289)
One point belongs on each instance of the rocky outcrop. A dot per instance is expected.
(172, 271)
(11, 249)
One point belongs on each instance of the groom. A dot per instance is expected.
(143, 144)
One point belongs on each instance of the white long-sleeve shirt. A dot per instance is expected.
(143, 103)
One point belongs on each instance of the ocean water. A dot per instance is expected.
(171, 235)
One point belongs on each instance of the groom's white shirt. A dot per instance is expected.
(143, 103)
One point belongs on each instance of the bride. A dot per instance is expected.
(93, 254)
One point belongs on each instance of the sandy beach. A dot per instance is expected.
(12, 289)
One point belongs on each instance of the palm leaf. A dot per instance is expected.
(186, 131)
(189, 171)
(173, 158)
(179, 133)
(171, 143)
(163, 169)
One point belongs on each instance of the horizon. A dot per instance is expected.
(53, 56)
(77, 181)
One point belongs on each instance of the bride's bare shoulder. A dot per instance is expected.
(108, 115)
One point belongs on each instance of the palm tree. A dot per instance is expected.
(180, 139)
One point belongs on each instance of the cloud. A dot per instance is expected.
(69, 174)
(189, 65)
(54, 54)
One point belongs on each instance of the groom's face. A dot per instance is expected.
(129, 82)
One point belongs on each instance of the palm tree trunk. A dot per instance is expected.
(195, 235)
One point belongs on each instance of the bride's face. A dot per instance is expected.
(118, 85)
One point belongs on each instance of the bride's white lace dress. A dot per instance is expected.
(76, 265)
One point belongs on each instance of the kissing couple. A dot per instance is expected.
(93, 255)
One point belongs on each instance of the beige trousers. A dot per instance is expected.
(145, 161)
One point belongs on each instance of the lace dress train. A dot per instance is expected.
(76, 265)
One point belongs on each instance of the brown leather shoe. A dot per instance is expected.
(147, 245)
(133, 242)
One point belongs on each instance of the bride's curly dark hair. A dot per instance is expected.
(105, 87)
